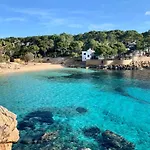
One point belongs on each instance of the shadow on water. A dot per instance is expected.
(123, 93)
(116, 119)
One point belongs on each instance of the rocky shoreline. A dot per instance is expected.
(133, 66)
(9, 133)
(139, 66)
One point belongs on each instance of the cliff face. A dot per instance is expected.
(8, 129)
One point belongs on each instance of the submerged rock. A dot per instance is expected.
(27, 140)
(8, 131)
(29, 137)
(40, 116)
(113, 141)
(81, 110)
(23, 125)
(50, 136)
(93, 132)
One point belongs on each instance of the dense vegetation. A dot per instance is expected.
(106, 43)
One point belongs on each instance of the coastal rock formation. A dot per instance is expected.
(116, 142)
(8, 131)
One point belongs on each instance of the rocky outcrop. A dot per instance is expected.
(8, 131)
(113, 141)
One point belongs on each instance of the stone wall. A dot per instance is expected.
(108, 62)
(142, 58)
(117, 62)
(8, 129)
(93, 62)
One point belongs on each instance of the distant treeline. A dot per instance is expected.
(106, 43)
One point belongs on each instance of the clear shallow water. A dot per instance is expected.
(117, 101)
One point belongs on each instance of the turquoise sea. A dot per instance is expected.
(74, 99)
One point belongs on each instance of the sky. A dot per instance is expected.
(22, 18)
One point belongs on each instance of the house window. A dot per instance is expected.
(84, 53)
(88, 56)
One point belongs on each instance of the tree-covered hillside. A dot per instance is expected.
(105, 43)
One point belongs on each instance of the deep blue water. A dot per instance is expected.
(117, 101)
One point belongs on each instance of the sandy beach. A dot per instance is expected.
(18, 68)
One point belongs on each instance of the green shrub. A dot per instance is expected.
(28, 57)
(4, 58)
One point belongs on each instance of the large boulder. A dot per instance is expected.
(8, 129)
(116, 142)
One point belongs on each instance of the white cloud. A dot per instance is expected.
(10, 19)
(45, 17)
(61, 22)
(58, 21)
(80, 12)
(15, 19)
(32, 11)
(105, 26)
(86, 12)
(147, 13)
(95, 13)
(75, 25)
(49, 18)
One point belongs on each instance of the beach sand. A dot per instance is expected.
(18, 68)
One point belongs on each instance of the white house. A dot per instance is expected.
(87, 54)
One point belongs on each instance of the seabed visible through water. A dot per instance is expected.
(64, 103)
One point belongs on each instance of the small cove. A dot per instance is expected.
(112, 100)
